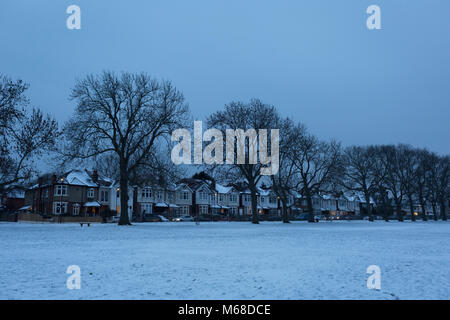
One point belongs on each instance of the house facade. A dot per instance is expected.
(76, 193)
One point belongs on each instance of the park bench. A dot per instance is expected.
(88, 224)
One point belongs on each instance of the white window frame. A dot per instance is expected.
(104, 195)
(91, 193)
(59, 207)
(184, 195)
(203, 209)
(76, 209)
(60, 190)
(147, 207)
(146, 193)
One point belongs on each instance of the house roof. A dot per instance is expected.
(195, 184)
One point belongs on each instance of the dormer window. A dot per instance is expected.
(91, 193)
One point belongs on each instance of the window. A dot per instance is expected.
(233, 210)
(60, 190)
(59, 207)
(146, 193)
(159, 195)
(91, 193)
(46, 193)
(184, 195)
(233, 197)
(184, 210)
(203, 195)
(263, 199)
(104, 194)
(221, 197)
(146, 208)
(273, 199)
(76, 209)
(203, 209)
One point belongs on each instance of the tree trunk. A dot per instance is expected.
(310, 207)
(124, 219)
(411, 209)
(424, 212)
(255, 217)
(433, 205)
(369, 209)
(443, 211)
(285, 212)
(399, 212)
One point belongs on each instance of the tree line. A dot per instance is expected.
(123, 123)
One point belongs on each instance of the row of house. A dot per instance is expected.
(86, 193)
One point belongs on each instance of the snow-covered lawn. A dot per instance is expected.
(224, 260)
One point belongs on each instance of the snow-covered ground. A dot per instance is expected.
(235, 260)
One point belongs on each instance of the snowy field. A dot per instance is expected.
(224, 260)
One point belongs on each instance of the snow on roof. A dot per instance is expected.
(92, 204)
(263, 192)
(161, 205)
(79, 177)
(222, 189)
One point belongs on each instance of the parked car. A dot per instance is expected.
(183, 218)
(163, 219)
(155, 218)
(302, 216)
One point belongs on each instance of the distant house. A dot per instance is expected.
(203, 195)
(335, 205)
(158, 200)
(226, 200)
(114, 199)
(76, 193)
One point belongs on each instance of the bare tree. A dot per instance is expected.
(254, 115)
(439, 184)
(358, 171)
(24, 135)
(422, 174)
(126, 115)
(390, 173)
(410, 166)
(317, 164)
(284, 182)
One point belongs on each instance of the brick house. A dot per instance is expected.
(76, 193)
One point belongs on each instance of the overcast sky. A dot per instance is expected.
(316, 61)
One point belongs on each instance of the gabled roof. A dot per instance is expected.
(195, 184)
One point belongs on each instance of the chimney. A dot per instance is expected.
(54, 179)
(213, 184)
(40, 181)
(95, 176)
